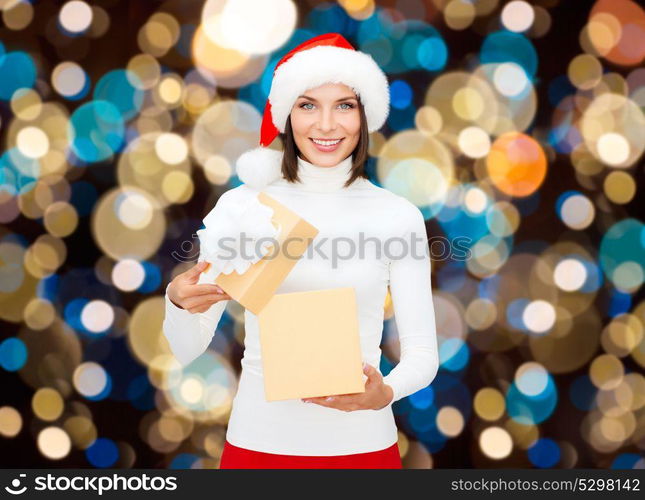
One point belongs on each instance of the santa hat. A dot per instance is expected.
(323, 59)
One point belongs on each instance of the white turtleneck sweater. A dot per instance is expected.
(293, 427)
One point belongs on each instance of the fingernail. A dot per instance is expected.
(329, 398)
(364, 364)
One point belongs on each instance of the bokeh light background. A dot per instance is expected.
(516, 127)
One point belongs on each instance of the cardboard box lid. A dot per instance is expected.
(255, 287)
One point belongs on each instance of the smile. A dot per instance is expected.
(329, 142)
(326, 145)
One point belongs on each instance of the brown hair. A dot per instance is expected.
(290, 156)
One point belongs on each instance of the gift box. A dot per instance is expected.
(310, 344)
(254, 287)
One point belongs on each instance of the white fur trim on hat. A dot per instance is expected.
(326, 64)
(259, 167)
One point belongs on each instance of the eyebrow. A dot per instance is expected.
(337, 100)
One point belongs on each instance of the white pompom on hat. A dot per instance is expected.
(259, 167)
(327, 58)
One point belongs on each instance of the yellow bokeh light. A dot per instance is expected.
(474, 142)
(622, 335)
(611, 126)
(192, 390)
(159, 34)
(47, 404)
(570, 275)
(459, 14)
(539, 316)
(428, 120)
(524, 436)
(19, 16)
(604, 31)
(170, 90)
(171, 148)
(81, 431)
(61, 219)
(26, 104)
(177, 187)
(218, 170)
(496, 443)
(145, 69)
(39, 313)
(248, 26)
(32, 142)
(606, 372)
(450, 421)
(481, 314)
(54, 443)
(613, 148)
(145, 334)
(620, 187)
(10, 421)
(585, 71)
(489, 404)
(128, 223)
(468, 104)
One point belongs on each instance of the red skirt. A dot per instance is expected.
(234, 457)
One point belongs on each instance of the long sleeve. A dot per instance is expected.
(190, 334)
(410, 288)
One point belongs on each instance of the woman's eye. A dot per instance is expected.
(349, 105)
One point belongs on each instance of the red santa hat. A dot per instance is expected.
(327, 58)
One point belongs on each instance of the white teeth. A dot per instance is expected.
(326, 143)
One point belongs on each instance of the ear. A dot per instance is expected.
(259, 167)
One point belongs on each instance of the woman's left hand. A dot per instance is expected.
(377, 395)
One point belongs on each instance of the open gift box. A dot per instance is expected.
(310, 340)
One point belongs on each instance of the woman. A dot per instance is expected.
(325, 99)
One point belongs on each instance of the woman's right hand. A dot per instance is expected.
(185, 293)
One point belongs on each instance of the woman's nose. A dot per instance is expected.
(326, 120)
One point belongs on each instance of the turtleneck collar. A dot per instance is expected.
(316, 178)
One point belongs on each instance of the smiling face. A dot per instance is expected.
(326, 124)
